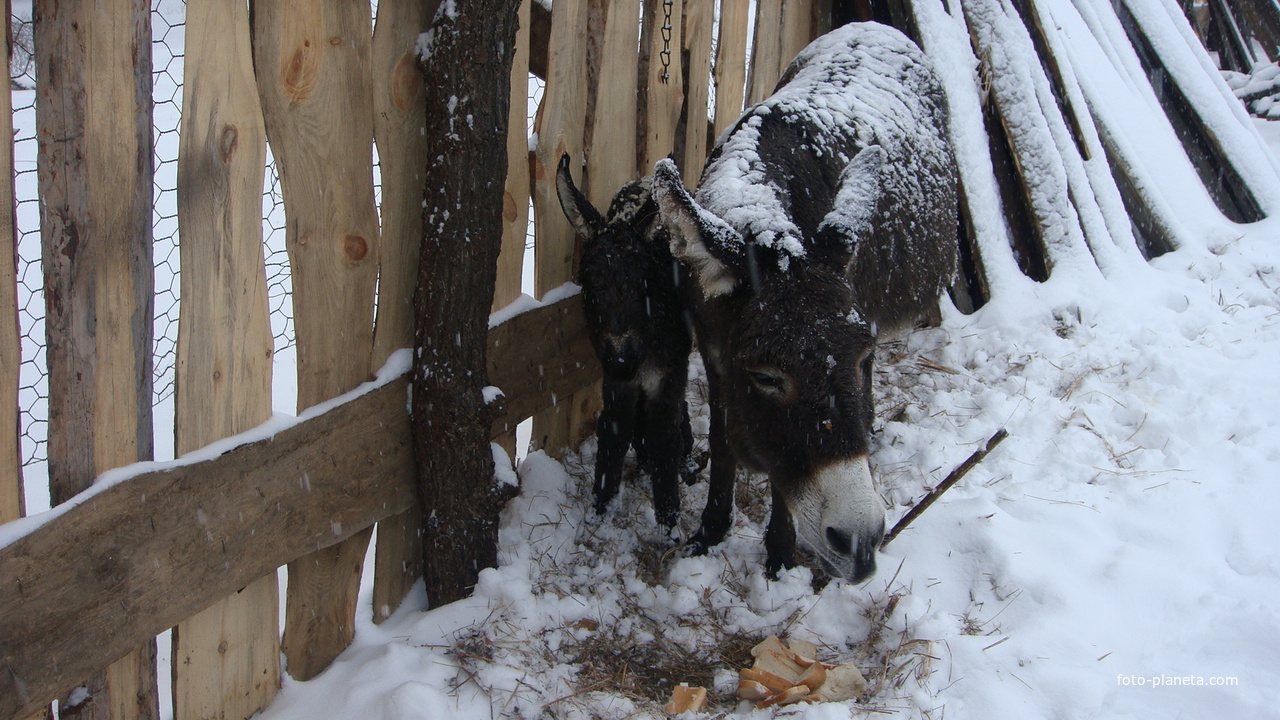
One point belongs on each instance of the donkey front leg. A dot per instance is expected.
(717, 517)
(663, 454)
(779, 538)
(688, 463)
(614, 429)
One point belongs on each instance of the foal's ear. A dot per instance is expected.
(581, 213)
(712, 250)
(855, 205)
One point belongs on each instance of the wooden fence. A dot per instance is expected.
(196, 548)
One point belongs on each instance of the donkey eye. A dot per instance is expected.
(766, 381)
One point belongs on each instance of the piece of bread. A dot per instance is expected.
(686, 699)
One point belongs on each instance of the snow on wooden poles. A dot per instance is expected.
(1200, 139)
(1259, 21)
(312, 60)
(1234, 48)
(95, 159)
(398, 111)
(1039, 145)
(226, 659)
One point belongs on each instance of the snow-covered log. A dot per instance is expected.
(1074, 125)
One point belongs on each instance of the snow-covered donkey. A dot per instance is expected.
(827, 212)
(640, 332)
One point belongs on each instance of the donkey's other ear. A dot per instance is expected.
(855, 205)
(712, 250)
(581, 213)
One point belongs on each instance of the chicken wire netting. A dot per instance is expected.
(167, 30)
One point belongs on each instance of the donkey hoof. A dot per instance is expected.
(699, 544)
(695, 548)
(689, 475)
(774, 564)
(602, 503)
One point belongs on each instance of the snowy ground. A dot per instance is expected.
(1115, 557)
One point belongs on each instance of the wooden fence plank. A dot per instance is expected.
(698, 16)
(226, 659)
(560, 131)
(516, 193)
(402, 147)
(766, 51)
(515, 198)
(91, 583)
(312, 58)
(731, 64)
(611, 162)
(664, 97)
(12, 505)
(93, 116)
(796, 31)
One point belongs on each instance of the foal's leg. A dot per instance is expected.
(614, 429)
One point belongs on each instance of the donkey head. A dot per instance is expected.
(795, 359)
(625, 271)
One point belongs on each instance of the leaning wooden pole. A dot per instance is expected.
(469, 46)
(93, 117)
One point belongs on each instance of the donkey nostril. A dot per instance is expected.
(840, 540)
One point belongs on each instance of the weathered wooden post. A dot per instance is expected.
(698, 17)
(312, 63)
(663, 87)
(226, 659)
(515, 197)
(612, 159)
(397, 123)
(731, 64)
(93, 116)
(561, 121)
(12, 505)
(469, 46)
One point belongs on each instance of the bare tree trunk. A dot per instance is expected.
(467, 63)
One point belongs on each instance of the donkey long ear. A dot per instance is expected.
(855, 205)
(581, 213)
(707, 245)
